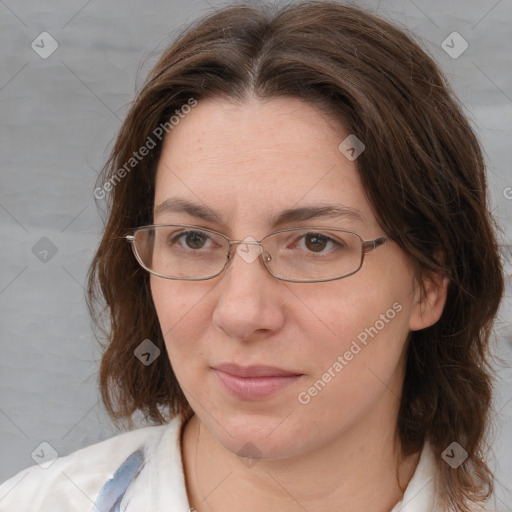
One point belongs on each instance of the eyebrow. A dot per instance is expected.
(332, 211)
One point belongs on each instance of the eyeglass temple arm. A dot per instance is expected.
(371, 245)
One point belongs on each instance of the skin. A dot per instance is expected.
(247, 161)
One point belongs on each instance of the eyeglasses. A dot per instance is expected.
(302, 255)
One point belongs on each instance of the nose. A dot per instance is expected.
(250, 302)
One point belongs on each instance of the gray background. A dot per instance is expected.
(58, 118)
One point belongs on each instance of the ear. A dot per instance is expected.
(430, 291)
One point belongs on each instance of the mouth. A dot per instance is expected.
(254, 382)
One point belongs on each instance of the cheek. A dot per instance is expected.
(350, 371)
(360, 330)
(358, 326)
(181, 310)
(343, 309)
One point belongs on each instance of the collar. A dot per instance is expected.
(421, 495)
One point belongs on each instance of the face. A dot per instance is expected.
(288, 367)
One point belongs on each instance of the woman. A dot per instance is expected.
(301, 275)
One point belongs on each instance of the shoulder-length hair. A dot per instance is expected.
(423, 173)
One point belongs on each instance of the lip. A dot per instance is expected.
(254, 382)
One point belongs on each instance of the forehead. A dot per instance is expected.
(250, 161)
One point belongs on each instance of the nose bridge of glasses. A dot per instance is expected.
(247, 241)
(248, 249)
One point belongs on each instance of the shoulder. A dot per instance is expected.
(74, 481)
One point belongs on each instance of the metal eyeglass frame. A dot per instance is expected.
(367, 246)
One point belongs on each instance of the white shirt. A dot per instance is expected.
(76, 482)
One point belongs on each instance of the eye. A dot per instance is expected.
(192, 239)
(315, 242)
(319, 242)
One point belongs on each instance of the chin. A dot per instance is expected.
(256, 437)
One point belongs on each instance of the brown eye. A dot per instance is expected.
(316, 242)
(195, 239)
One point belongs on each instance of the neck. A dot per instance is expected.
(361, 470)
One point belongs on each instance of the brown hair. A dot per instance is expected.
(423, 173)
